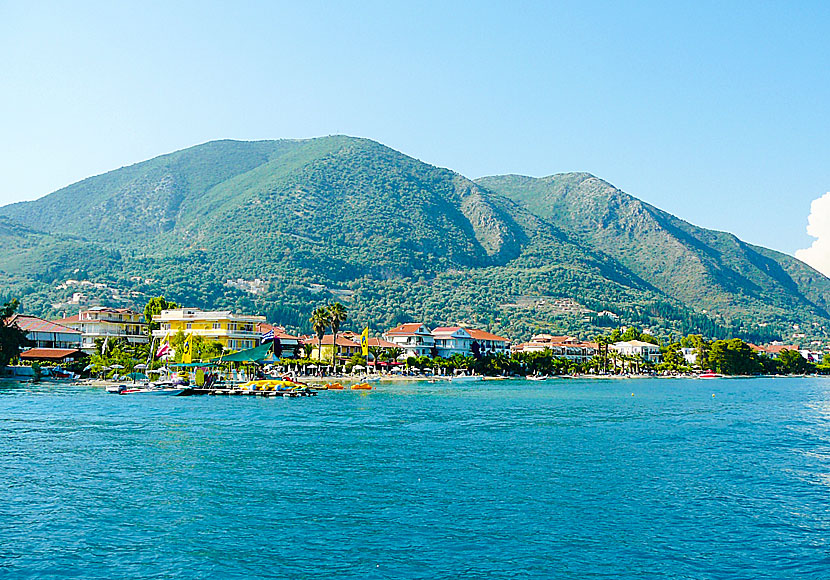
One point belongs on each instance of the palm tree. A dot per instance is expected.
(376, 352)
(320, 322)
(337, 315)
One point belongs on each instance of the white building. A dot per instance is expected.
(450, 340)
(414, 338)
(100, 322)
(638, 348)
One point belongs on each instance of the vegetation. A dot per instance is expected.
(11, 337)
(153, 309)
(394, 240)
(337, 315)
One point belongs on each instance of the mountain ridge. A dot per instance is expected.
(351, 212)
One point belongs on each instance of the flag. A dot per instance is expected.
(364, 341)
(267, 337)
(164, 347)
(104, 346)
(187, 349)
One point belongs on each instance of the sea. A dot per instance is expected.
(567, 478)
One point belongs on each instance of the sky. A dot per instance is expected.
(716, 112)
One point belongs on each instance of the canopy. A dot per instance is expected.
(251, 355)
(191, 365)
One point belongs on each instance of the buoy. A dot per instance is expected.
(713, 395)
(632, 394)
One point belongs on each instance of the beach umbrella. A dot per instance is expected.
(358, 368)
(87, 367)
(141, 366)
(116, 367)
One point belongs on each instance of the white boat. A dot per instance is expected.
(536, 377)
(467, 378)
(146, 390)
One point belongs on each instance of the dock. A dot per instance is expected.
(230, 392)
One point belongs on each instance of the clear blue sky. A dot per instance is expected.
(717, 112)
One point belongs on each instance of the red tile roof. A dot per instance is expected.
(446, 329)
(382, 343)
(279, 331)
(68, 320)
(35, 324)
(49, 353)
(484, 335)
(341, 341)
(408, 328)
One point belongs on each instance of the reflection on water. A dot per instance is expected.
(500, 479)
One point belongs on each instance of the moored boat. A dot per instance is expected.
(709, 375)
(146, 390)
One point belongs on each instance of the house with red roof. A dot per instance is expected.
(101, 322)
(50, 341)
(346, 347)
(414, 338)
(292, 346)
(450, 340)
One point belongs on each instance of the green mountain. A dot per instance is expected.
(707, 270)
(278, 227)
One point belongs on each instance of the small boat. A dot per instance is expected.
(537, 377)
(709, 375)
(362, 387)
(334, 387)
(467, 378)
(146, 390)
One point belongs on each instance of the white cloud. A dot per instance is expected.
(818, 226)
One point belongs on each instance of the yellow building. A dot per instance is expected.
(233, 331)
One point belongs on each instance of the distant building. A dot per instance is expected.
(638, 348)
(346, 347)
(774, 349)
(414, 338)
(567, 347)
(50, 341)
(450, 340)
(100, 322)
(232, 331)
(292, 346)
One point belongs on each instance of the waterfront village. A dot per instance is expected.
(120, 343)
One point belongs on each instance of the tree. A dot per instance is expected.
(307, 350)
(733, 357)
(319, 322)
(11, 337)
(337, 315)
(153, 309)
(792, 363)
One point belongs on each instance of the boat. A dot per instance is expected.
(709, 375)
(150, 389)
(537, 377)
(333, 387)
(362, 387)
(467, 378)
(271, 385)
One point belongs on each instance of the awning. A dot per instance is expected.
(52, 354)
(251, 355)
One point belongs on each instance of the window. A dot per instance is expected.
(189, 326)
(216, 326)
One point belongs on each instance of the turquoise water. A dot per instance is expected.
(560, 479)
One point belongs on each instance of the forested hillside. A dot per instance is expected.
(396, 240)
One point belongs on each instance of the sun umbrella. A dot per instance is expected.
(141, 366)
(116, 367)
(359, 368)
(87, 367)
